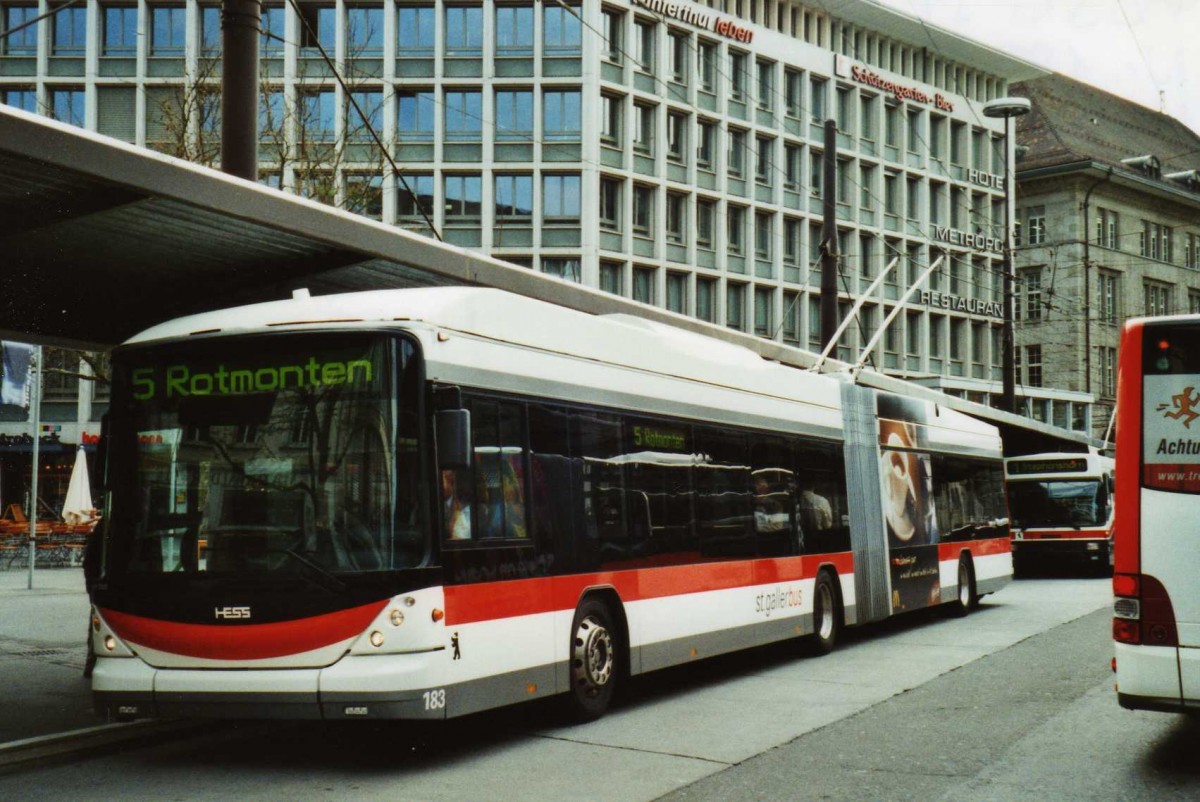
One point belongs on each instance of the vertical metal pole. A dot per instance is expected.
(35, 415)
(240, 22)
(1008, 399)
(829, 277)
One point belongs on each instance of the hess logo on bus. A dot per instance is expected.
(232, 612)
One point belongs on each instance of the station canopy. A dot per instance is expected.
(100, 239)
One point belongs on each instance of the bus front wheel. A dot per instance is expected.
(594, 661)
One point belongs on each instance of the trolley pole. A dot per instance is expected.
(829, 277)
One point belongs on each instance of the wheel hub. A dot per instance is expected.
(592, 657)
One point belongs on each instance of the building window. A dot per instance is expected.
(706, 294)
(1107, 228)
(891, 123)
(706, 65)
(677, 123)
(792, 246)
(415, 26)
(318, 28)
(816, 173)
(680, 56)
(735, 229)
(25, 41)
(676, 218)
(364, 31)
(464, 31)
(560, 198)
(643, 42)
(764, 325)
(1108, 372)
(610, 119)
(735, 306)
(464, 198)
(1031, 279)
(614, 25)
(364, 117)
(643, 128)
(706, 134)
(1107, 289)
(1158, 299)
(643, 285)
(514, 30)
(643, 210)
(1193, 302)
(415, 116)
(914, 130)
(69, 26)
(763, 147)
(866, 117)
(272, 25)
(120, 30)
(793, 88)
(67, 105)
(817, 102)
(1033, 365)
(610, 277)
(560, 115)
(514, 115)
(706, 211)
(318, 115)
(414, 197)
(737, 75)
(514, 196)
(1036, 225)
(766, 85)
(464, 116)
(793, 168)
(24, 98)
(845, 110)
(763, 233)
(364, 194)
(677, 292)
(610, 204)
(736, 161)
(1191, 251)
(567, 269)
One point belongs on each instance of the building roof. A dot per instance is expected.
(1072, 122)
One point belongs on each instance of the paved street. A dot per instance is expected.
(1012, 702)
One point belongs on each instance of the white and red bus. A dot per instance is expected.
(424, 503)
(1156, 623)
(1061, 507)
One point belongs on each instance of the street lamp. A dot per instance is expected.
(1007, 108)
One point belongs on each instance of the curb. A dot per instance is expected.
(87, 741)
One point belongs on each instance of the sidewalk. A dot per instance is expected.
(41, 654)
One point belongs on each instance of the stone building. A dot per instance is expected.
(1107, 228)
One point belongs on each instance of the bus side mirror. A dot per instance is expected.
(453, 439)
(102, 452)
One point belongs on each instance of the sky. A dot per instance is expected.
(1133, 48)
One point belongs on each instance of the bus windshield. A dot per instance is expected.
(263, 459)
(1076, 502)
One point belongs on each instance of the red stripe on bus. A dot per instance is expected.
(486, 601)
(243, 641)
(1128, 502)
(1081, 534)
(977, 548)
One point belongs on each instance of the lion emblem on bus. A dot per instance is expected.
(1184, 407)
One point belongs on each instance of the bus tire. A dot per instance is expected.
(964, 597)
(594, 666)
(827, 618)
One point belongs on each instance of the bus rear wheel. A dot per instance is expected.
(965, 598)
(826, 616)
(594, 666)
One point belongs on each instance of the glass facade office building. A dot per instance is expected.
(669, 152)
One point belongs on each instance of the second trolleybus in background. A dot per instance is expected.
(1061, 507)
(424, 503)
(1156, 563)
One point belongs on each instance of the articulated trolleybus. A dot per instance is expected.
(424, 503)
(1061, 506)
(1156, 561)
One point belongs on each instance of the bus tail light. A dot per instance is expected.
(1142, 612)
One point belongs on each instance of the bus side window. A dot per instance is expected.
(499, 510)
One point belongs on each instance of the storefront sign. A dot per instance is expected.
(983, 179)
(954, 303)
(860, 74)
(722, 26)
(966, 239)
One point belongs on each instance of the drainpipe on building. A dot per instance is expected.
(829, 239)
(1087, 285)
